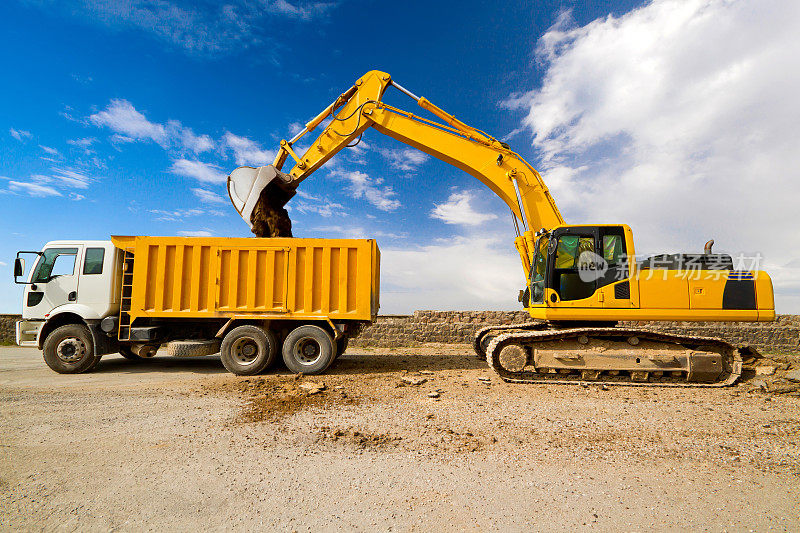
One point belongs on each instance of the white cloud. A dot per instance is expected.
(362, 186)
(176, 215)
(465, 273)
(129, 125)
(405, 159)
(19, 135)
(354, 232)
(303, 10)
(209, 197)
(295, 128)
(65, 178)
(324, 209)
(84, 144)
(49, 150)
(680, 119)
(196, 233)
(186, 138)
(32, 189)
(246, 151)
(121, 139)
(198, 170)
(3, 264)
(121, 117)
(71, 178)
(76, 197)
(458, 210)
(307, 203)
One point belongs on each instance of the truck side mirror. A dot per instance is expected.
(19, 267)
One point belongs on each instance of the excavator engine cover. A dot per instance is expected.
(259, 196)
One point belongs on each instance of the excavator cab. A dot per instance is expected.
(572, 263)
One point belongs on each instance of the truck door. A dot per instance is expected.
(54, 281)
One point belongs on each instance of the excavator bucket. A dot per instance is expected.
(259, 196)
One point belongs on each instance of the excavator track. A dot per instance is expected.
(614, 356)
(485, 335)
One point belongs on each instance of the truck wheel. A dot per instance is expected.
(248, 350)
(126, 352)
(308, 349)
(69, 349)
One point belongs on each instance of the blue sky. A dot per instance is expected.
(125, 117)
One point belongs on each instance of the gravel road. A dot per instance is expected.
(415, 439)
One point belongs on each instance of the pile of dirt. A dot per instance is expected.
(275, 397)
(269, 217)
(360, 439)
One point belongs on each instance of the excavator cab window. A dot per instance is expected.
(539, 270)
(614, 255)
(571, 272)
(612, 249)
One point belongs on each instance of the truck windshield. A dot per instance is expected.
(49, 264)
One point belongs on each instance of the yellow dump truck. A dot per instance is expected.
(246, 298)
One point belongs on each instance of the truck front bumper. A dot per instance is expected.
(28, 332)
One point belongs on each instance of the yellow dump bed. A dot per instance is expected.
(281, 278)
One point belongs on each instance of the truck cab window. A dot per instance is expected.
(55, 262)
(93, 262)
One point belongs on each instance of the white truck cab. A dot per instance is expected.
(68, 282)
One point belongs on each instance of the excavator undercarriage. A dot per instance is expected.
(538, 352)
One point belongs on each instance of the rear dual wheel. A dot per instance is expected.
(309, 349)
(248, 350)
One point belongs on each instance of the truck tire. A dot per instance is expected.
(309, 349)
(126, 352)
(69, 349)
(193, 348)
(248, 350)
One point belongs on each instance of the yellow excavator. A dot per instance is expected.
(581, 280)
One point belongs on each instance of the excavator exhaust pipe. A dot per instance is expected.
(259, 196)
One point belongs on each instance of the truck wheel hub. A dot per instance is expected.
(245, 351)
(70, 350)
(308, 352)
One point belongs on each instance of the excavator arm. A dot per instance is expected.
(258, 193)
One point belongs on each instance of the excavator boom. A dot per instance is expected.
(257, 193)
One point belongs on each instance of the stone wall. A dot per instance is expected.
(454, 327)
(8, 328)
(781, 336)
(450, 327)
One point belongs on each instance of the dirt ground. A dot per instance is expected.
(179, 444)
